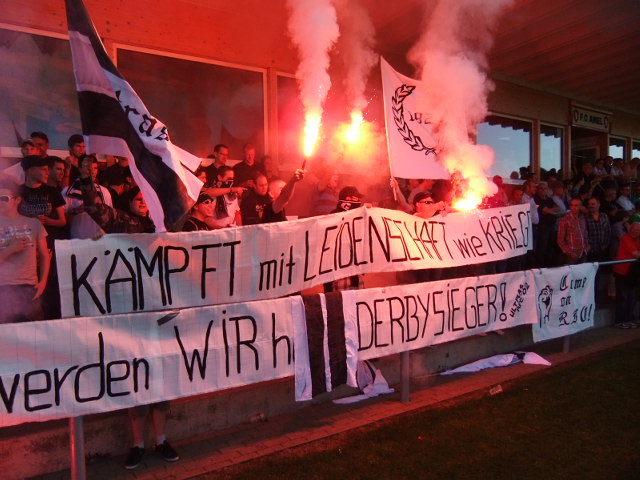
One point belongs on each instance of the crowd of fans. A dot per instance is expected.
(592, 217)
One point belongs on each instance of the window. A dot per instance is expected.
(202, 104)
(37, 89)
(510, 138)
(290, 121)
(551, 143)
(616, 147)
(635, 152)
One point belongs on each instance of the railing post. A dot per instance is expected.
(405, 376)
(76, 443)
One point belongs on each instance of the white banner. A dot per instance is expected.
(565, 300)
(411, 143)
(78, 366)
(123, 273)
(406, 317)
(63, 368)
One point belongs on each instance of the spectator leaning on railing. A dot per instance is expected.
(627, 276)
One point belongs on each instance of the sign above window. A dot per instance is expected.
(591, 119)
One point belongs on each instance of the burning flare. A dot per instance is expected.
(452, 59)
(311, 133)
(353, 132)
(313, 29)
(469, 202)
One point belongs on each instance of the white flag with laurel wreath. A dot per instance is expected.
(411, 143)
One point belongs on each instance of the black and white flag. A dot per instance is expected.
(325, 346)
(116, 122)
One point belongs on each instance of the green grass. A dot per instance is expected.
(575, 422)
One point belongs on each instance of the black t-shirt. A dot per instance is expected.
(269, 216)
(192, 224)
(43, 200)
(252, 207)
(243, 172)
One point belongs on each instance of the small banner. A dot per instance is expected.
(565, 300)
(407, 317)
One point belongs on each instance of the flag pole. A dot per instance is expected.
(386, 134)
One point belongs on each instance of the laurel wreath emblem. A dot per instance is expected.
(410, 138)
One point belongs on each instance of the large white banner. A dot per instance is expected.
(565, 300)
(411, 143)
(406, 317)
(77, 366)
(62, 368)
(123, 273)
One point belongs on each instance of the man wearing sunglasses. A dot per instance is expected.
(24, 260)
(425, 207)
(200, 212)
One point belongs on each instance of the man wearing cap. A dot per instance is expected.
(27, 147)
(202, 210)
(425, 207)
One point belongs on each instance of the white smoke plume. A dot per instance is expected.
(357, 41)
(313, 28)
(452, 61)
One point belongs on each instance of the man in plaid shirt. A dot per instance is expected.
(572, 235)
(598, 231)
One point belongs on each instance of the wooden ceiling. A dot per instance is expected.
(587, 50)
